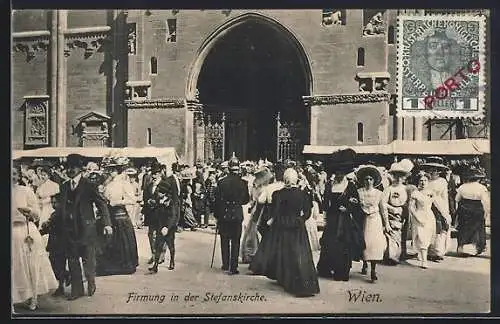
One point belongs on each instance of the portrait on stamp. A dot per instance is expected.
(441, 65)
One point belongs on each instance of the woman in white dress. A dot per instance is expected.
(370, 200)
(423, 221)
(472, 200)
(46, 189)
(32, 273)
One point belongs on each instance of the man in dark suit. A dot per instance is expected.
(78, 196)
(148, 210)
(168, 210)
(231, 194)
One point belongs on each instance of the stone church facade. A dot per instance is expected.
(260, 83)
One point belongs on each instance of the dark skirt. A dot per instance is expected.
(119, 254)
(342, 243)
(291, 263)
(261, 258)
(471, 224)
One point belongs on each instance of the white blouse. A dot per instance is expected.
(120, 192)
(46, 190)
(473, 191)
(23, 196)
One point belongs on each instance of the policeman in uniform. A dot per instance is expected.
(231, 195)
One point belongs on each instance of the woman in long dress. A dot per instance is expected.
(370, 200)
(423, 221)
(262, 216)
(31, 271)
(292, 262)
(342, 241)
(472, 199)
(395, 198)
(250, 239)
(120, 256)
(45, 190)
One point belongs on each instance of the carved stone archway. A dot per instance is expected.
(196, 119)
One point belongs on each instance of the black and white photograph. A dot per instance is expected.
(250, 162)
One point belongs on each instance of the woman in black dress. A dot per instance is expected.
(342, 240)
(291, 262)
(120, 255)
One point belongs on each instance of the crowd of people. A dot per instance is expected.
(77, 213)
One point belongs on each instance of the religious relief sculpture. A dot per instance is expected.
(381, 84)
(36, 118)
(132, 38)
(375, 25)
(333, 17)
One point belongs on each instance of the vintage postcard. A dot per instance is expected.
(244, 162)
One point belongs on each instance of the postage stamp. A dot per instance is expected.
(441, 66)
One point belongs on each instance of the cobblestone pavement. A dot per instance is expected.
(456, 285)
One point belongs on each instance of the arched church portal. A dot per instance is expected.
(250, 85)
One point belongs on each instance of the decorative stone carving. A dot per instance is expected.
(93, 130)
(346, 98)
(375, 24)
(162, 103)
(333, 17)
(37, 120)
(91, 40)
(31, 43)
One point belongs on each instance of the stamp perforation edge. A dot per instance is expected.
(443, 114)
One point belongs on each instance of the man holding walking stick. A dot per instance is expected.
(231, 195)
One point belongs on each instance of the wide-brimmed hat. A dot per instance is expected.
(474, 174)
(75, 160)
(369, 170)
(398, 169)
(430, 166)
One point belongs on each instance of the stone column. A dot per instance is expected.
(399, 128)
(61, 79)
(315, 114)
(189, 145)
(54, 126)
(418, 125)
(200, 136)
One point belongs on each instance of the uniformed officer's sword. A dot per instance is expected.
(215, 243)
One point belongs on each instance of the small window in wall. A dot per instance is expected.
(132, 38)
(361, 56)
(360, 133)
(154, 65)
(171, 36)
(391, 35)
(149, 137)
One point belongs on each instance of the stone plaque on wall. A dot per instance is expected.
(36, 121)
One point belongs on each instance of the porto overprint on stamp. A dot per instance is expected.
(441, 66)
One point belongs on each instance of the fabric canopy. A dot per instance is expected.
(447, 147)
(165, 155)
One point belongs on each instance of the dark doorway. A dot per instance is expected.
(250, 74)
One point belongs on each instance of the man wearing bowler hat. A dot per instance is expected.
(78, 196)
(231, 194)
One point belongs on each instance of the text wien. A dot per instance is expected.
(362, 296)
